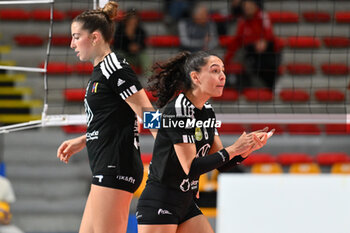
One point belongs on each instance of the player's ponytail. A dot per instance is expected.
(173, 76)
(101, 19)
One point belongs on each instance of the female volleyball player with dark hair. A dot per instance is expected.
(184, 151)
(113, 96)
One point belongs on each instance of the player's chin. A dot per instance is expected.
(81, 58)
(218, 92)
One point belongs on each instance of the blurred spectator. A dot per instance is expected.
(237, 8)
(198, 32)
(261, 52)
(130, 40)
(176, 10)
(7, 197)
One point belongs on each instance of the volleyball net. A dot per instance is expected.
(313, 62)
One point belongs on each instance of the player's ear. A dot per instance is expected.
(95, 37)
(195, 77)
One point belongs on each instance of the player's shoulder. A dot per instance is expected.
(208, 107)
(114, 64)
(181, 106)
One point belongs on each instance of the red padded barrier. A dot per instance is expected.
(303, 129)
(326, 95)
(303, 42)
(330, 158)
(74, 94)
(74, 129)
(283, 17)
(294, 95)
(342, 17)
(163, 41)
(28, 40)
(258, 94)
(44, 15)
(61, 40)
(335, 69)
(229, 94)
(301, 69)
(291, 158)
(14, 14)
(83, 68)
(316, 16)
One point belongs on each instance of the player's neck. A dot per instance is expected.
(197, 98)
(101, 53)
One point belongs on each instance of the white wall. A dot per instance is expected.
(283, 203)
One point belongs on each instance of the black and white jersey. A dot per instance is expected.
(112, 137)
(182, 122)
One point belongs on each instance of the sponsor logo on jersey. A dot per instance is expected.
(94, 87)
(89, 113)
(136, 135)
(87, 89)
(162, 212)
(92, 136)
(138, 215)
(99, 177)
(120, 82)
(203, 151)
(151, 120)
(126, 178)
(194, 184)
(222, 156)
(197, 206)
(198, 134)
(185, 185)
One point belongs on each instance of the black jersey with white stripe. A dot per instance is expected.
(112, 137)
(181, 123)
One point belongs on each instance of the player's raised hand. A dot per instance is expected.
(243, 144)
(260, 139)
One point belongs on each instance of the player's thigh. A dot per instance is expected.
(167, 228)
(110, 209)
(197, 224)
(86, 222)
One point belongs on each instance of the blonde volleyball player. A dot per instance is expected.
(113, 96)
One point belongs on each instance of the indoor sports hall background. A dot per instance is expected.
(42, 86)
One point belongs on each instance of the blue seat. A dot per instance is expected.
(2, 169)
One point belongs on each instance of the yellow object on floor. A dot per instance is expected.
(5, 49)
(18, 118)
(15, 91)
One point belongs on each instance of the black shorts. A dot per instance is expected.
(126, 183)
(159, 205)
